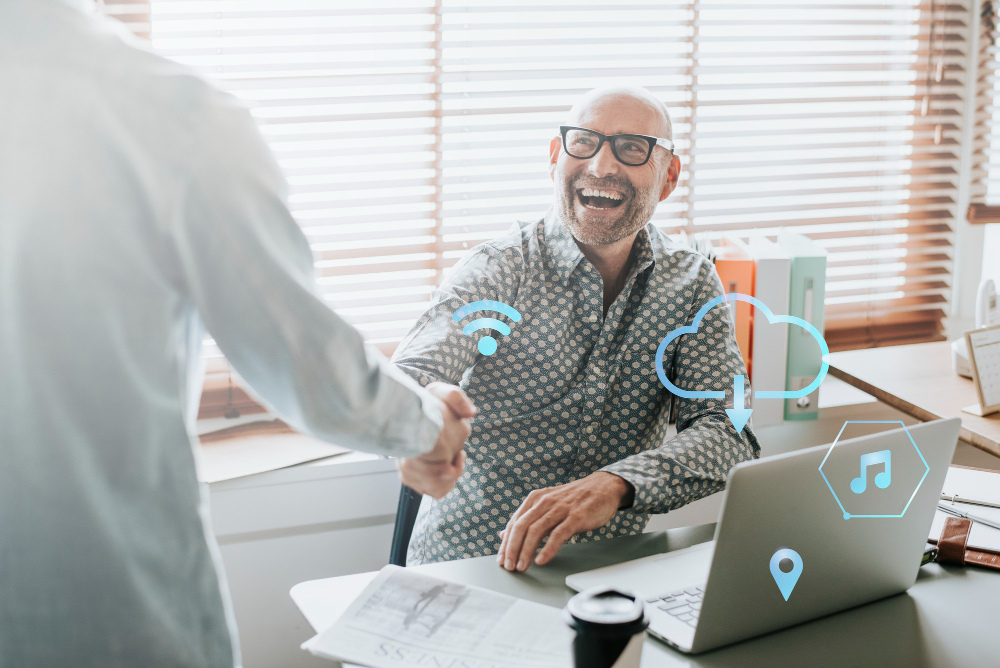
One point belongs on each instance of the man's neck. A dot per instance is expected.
(612, 262)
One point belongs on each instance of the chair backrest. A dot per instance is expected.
(406, 516)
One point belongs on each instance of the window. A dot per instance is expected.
(412, 130)
(986, 173)
(844, 122)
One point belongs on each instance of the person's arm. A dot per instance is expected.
(436, 350)
(248, 269)
(689, 466)
(696, 462)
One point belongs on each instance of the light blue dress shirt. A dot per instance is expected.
(138, 207)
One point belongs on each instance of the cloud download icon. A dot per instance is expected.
(786, 581)
(739, 414)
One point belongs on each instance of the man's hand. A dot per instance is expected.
(559, 513)
(434, 473)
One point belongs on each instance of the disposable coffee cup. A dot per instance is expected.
(609, 625)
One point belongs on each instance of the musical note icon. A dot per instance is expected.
(882, 480)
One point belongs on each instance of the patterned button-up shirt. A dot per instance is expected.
(571, 391)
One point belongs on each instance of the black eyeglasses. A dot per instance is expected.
(631, 150)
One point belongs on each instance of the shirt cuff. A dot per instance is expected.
(643, 501)
(415, 421)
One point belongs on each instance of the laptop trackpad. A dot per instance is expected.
(653, 575)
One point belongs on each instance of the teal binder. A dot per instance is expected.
(806, 300)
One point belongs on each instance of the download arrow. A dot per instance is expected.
(737, 414)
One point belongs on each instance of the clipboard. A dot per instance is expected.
(984, 358)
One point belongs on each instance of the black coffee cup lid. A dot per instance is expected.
(607, 611)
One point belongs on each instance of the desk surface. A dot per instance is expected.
(918, 380)
(948, 618)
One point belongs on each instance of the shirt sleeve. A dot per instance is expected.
(436, 349)
(696, 462)
(249, 270)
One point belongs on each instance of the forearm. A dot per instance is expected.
(247, 268)
(696, 462)
(690, 466)
(316, 371)
(370, 405)
(436, 349)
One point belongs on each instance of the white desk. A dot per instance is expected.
(918, 380)
(948, 618)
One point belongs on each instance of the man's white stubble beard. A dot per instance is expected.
(636, 214)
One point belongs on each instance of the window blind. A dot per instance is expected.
(412, 130)
(841, 121)
(133, 13)
(985, 196)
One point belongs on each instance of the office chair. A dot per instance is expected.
(406, 516)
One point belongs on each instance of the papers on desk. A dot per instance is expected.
(977, 485)
(404, 618)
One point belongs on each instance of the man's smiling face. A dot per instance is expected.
(601, 200)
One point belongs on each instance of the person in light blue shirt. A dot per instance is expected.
(139, 207)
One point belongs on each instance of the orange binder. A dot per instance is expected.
(735, 266)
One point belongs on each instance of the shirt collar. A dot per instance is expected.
(563, 255)
(646, 243)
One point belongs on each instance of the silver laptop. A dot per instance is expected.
(785, 550)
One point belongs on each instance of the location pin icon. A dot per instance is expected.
(786, 581)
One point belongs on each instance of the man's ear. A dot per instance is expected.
(554, 146)
(671, 176)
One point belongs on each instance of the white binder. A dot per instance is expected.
(770, 340)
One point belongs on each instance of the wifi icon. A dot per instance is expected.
(487, 345)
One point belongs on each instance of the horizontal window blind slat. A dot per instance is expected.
(717, 213)
(791, 222)
(875, 330)
(906, 303)
(910, 229)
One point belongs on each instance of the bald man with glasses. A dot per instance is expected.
(571, 439)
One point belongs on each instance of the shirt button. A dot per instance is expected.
(590, 428)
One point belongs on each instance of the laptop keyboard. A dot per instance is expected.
(683, 604)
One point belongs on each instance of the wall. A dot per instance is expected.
(304, 523)
(991, 253)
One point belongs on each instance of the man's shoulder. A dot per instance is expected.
(517, 238)
(672, 256)
(515, 246)
(101, 56)
(182, 97)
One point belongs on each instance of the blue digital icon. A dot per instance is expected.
(487, 345)
(882, 479)
(786, 581)
(739, 415)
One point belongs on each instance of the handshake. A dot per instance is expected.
(434, 473)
